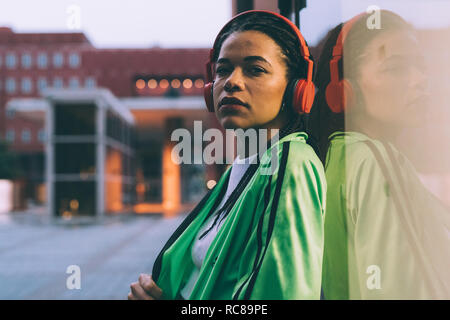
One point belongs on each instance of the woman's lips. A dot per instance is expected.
(232, 108)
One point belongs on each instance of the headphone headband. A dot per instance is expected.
(301, 91)
(335, 95)
(346, 27)
(303, 46)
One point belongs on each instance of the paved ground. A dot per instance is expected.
(35, 254)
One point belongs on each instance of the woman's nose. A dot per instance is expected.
(234, 82)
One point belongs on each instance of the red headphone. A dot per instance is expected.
(302, 89)
(339, 92)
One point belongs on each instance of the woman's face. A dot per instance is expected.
(250, 81)
(392, 80)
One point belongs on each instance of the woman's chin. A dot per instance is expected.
(234, 122)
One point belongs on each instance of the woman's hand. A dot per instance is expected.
(144, 289)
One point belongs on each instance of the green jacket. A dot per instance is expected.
(271, 244)
(386, 236)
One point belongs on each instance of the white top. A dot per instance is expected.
(201, 246)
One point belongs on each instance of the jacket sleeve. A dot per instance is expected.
(289, 238)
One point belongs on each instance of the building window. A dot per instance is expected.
(10, 85)
(74, 60)
(26, 60)
(26, 135)
(42, 135)
(10, 61)
(57, 82)
(58, 60)
(74, 83)
(10, 113)
(10, 135)
(26, 85)
(42, 60)
(90, 82)
(41, 84)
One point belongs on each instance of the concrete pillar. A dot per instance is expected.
(100, 160)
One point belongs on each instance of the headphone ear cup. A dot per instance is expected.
(340, 95)
(303, 96)
(333, 95)
(208, 95)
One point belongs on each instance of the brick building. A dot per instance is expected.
(159, 86)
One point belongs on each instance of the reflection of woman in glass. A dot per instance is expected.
(386, 237)
(255, 235)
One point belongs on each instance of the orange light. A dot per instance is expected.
(140, 187)
(140, 84)
(74, 205)
(152, 83)
(67, 215)
(171, 187)
(187, 83)
(114, 182)
(164, 83)
(199, 83)
(175, 83)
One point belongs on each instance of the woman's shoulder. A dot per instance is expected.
(298, 149)
(298, 156)
(355, 149)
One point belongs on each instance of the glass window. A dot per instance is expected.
(10, 61)
(10, 135)
(26, 85)
(57, 82)
(42, 60)
(26, 60)
(58, 60)
(83, 192)
(90, 82)
(41, 83)
(74, 83)
(75, 158)
(42, 136)
(74, 60)
(74, 119)
(10, 85)
(26, 135)
(10, 113)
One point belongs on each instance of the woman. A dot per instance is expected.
(386, 237)
(259, 236)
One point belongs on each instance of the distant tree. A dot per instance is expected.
(9, 163)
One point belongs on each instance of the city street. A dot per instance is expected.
(34, 256)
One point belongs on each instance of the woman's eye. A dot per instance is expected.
(256, 70)
(221, 71)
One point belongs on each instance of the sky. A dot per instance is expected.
(188, 23)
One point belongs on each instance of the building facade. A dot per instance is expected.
(161, 88)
